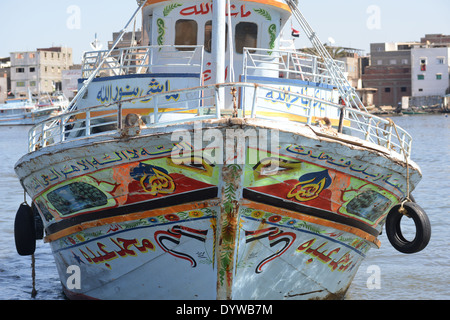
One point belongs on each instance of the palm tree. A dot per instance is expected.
(335, 52)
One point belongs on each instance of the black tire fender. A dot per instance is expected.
(25, 231)
(394, 232)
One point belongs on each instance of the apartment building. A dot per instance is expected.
(5, 83)
(430, 69)
(39, 71)
(389, 72)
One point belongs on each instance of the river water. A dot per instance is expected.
(385, 274)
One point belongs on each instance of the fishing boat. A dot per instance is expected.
(212, 164)
(28, 111)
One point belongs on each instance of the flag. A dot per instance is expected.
(295, 33)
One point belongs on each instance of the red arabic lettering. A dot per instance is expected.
(201, 9)
(242, 12)
(206, 8)
(341, 264)
(125, 249)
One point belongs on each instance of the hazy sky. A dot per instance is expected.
(31, 24)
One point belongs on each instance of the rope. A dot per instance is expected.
(33, 259)
(402, 209)
(235, 108)
(33, 276)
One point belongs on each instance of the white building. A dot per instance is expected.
(70, 82)
(430, 70)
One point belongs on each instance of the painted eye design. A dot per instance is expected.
(274, 166)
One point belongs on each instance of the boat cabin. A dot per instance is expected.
(177, 52)
(254, 24)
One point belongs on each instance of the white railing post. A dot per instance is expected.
(119, 117)
(255, 101)
(288, 65)
(88, 123)
(61, 128)
(217, 97)
(311, 106)
(155, 110)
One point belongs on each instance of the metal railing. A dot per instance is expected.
(287, 64)
(196, 104)
(140, 60)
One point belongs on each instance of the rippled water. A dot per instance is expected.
(425, 275)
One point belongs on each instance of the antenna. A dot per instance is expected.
(96, 45)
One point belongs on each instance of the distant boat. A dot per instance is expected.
(209, 164)
(27, 111)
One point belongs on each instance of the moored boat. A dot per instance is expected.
(211, 164)
(29, 111)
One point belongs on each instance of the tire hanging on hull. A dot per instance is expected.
(394, 232)
(25, 231)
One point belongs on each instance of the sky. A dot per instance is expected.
(30, 24)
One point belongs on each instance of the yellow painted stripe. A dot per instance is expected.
(129, 217)
(293, 117)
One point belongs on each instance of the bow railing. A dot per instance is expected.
(199, 103)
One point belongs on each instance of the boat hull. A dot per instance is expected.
(291, 219)
(24, 117)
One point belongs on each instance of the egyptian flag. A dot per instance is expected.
(295, 33)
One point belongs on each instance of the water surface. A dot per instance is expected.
(421, 276)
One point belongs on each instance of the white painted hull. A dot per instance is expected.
(215, 232)
(25, 118)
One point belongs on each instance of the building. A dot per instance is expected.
(39, 71)
(3, 87)
(430, 69)
(435, 39)
(129, 39)
(70, 81)
(353, 68)
(389, 72)
(5, 82)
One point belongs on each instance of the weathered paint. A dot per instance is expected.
(293, 220)
(153, 228)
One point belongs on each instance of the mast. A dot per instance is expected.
(218, 46)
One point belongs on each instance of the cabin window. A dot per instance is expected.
(246, 36)
(76, 197)
(439, 76)
(208, 37)
(186, 34)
